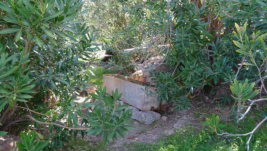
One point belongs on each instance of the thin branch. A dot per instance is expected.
(256, 82)
(250, 133)
(248, 109)
(47, 123)
(31, 110)
(175, 68)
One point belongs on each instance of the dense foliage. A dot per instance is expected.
(43, 43)
(206, 43)
(44, 49)
(199, 36)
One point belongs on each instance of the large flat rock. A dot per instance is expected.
(132, 92)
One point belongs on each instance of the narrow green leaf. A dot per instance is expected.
(239, 45)
(122, 107)
(129, 127)
(9, 30)
(38, 41)
(24, 96)
(41, 146)
(2, 104)
(2, 133)
(27, 88)
(83, 12)
(10, 71)
(61, 80)
(18, 35)
(53, 15)
(92, 131)
(49, 33)
(237, 28)
(262, 3)
(25, 23)
(21, 100)
(111, 134)
(5, 7)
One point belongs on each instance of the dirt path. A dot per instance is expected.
(157, 130)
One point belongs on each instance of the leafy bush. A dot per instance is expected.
(42, 43)
(30, 144)
(108, 117)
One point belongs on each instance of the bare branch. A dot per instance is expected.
(256, 82)
(248, 109)
(30, 110)
(250, 133)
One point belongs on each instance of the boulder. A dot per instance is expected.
(146, 117)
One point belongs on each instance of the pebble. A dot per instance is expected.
(164, 118)
(169, 132)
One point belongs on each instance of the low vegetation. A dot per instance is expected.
(48, 54)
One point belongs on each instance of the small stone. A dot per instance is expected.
(207, 98)
(164, 118)
(169, 132)
(136, 123)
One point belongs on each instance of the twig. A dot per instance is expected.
(47, 123)
(248, 109)
(175, 68)
(31, 110)
(250, 133)
(256, 82)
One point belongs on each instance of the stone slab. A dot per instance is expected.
(132, 92)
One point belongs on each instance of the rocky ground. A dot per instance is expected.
(152, 126)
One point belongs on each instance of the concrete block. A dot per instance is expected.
(132, 92)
